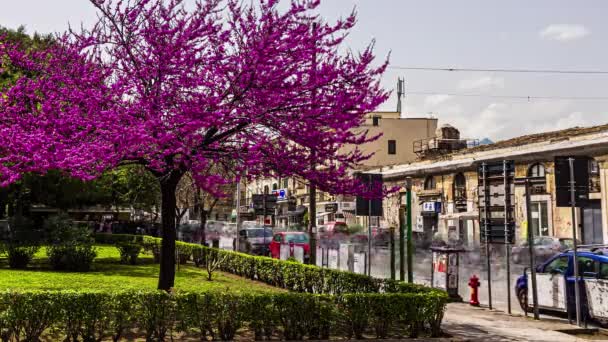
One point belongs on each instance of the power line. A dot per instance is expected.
(528, 71)
(519, 97)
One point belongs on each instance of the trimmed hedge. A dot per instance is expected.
(156, 315)
(291, 276)
(321, 302)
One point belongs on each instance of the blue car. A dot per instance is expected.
(555, 281)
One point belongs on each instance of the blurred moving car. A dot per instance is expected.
(300, 239)
(592, 267)
(544, 247)
(332, 234)
(255, 240)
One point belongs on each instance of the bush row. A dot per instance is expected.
(288, 275)
(69, 245)
(93, 316)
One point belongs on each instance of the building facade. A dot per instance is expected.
(393, 146)
(445, 187)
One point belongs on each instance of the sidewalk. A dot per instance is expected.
(466, 323)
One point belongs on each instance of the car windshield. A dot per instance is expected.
(296, 238)
(258, 233)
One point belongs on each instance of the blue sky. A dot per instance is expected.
(513, 34)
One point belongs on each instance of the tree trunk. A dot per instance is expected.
(203, 218)
(168, 185)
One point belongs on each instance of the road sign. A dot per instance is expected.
(496, 191)
(363, 204)
(264, 204)
(562, 181)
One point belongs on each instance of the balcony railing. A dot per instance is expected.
(436, 146)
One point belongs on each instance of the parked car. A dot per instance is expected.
(332, 234)
(555, 281)
(300, 239)
(544, 247)
(255, 240)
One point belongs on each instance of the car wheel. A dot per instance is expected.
(522, 298)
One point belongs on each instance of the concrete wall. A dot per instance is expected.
(404, 131)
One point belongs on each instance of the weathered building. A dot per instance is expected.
(445, 185)
(393, 146)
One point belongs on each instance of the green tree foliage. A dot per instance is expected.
(10, 73)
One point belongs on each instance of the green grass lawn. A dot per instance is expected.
(108, 274)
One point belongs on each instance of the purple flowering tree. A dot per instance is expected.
(179, 88)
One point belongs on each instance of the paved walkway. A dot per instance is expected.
(466, 323)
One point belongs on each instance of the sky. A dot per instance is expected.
(473, 34)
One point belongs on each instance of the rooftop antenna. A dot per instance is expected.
(400, 92)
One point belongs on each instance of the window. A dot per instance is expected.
(586, 267)
(285, 183)
(594, 167)
(429, 183)
(296, 238)
(559, 265)
(459, 187)
(392, 147)
(375, 120)
(594, 176)
(604, 270)
(275, 186)
(537, 170)
(540, 218)
(266, 189)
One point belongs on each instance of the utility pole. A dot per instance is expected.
(402, 239)
(410, 243)
(238, 213)
(531, 250)
(577, 291)
(507, 232)
(486, 200)
(392, 241)
(312, 211)
(369, 228)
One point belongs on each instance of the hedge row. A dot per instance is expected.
(288, 275)
(93, 316)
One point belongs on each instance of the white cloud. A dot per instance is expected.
(482, 83)
(564, 32)
(436, 99)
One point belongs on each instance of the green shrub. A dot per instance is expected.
(77, 258)
(93, 316)
(84, 315)
(129, 251)
(229, 313)
(322, 302)
(20, 256)
(29, 314)
(70, 245)
(195, 314)
(355, 229)
(157, 314)
(114, 239)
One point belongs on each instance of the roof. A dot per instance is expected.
(575, 140)
(533, 138)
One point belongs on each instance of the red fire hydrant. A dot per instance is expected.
(474, 285)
